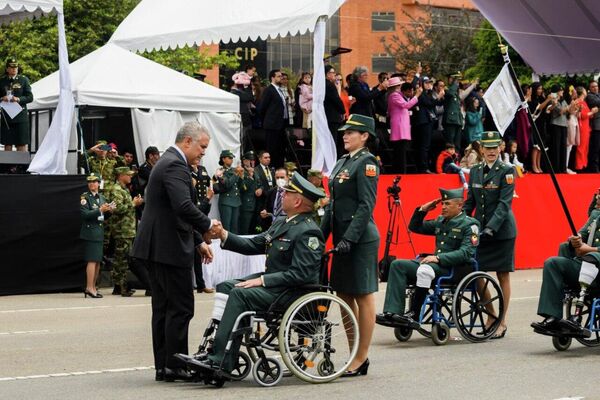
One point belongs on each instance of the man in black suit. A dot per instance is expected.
(273, 112)
(334, 108)
(265, 177)
(167, 237)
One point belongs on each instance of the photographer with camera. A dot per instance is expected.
(349, 217)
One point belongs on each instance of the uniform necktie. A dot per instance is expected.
(486, 169)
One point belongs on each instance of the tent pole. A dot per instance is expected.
(513, 75)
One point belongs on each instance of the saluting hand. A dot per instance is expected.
(430, 205)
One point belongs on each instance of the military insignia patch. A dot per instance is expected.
(313, 242)
(83, 202)
(474, 235)
(371, 170)
(510, 179)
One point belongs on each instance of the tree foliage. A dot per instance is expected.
(89, 24)
(441, 40)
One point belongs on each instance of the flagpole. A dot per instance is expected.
(513, 75)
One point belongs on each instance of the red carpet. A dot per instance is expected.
(541, 223)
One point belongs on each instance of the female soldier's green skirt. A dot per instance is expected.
(356, 272)
(496, 255)
(14, 134)
(92, 250)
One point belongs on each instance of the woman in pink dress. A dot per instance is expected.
(400, 101)
(581, 153)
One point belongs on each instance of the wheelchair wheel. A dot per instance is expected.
(267, 371)
(561, 343)
(403, 333)
(242, 368)
(318, 337)
(586, 317)
(440, 334)
(470, 310)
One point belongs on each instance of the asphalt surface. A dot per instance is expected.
(62, 346)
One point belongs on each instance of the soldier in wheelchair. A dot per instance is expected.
(294, 247)
(457, 236)
(574, 270)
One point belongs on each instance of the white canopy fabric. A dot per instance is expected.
(113, 77)
(11, 10)
(155, 24)
(558, 37)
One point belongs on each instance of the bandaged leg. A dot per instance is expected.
(219, 306)
(587, 274)
(425, 275)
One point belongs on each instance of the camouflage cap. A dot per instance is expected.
(124, 171)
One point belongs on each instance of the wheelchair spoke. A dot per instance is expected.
(490, 300)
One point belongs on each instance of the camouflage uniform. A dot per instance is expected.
(123, 232)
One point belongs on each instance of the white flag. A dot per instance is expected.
(502, 99)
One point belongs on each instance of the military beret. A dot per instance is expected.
(93, 178)
(360, 123)
(448, 194)
(298, 184)
(249, 155)
(11, 62)
(491, 139)
(124, 171)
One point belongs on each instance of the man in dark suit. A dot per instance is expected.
(273, 112)
(168, 236)
(334, 108)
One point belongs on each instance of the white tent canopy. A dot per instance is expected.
(114, 77)
(154, 24)
(18, 9)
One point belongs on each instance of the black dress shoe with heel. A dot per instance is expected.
(87, 293)
(362, 370)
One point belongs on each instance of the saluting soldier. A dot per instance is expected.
(227, 186)
(294, 246)
(567, 272)
(123, 227)
(15, 88)
(94, 209)
(491, 189)
(249, 192)
(349, 218)
(456, 239)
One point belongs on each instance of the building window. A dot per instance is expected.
(383, 63)
(383, 22)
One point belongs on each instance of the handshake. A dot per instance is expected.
(216, 231)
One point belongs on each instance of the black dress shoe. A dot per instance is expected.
(549, 324)
(116, 290)
(177, 374)
(406, 320)
(127, 292)
(160, 375)
(383, 318)
(362, 370)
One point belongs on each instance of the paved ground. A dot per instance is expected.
(62, 346)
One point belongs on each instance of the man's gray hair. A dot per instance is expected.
(191, 129)
(358, 71)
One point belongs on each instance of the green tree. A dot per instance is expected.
(89, 24)
(441, 40)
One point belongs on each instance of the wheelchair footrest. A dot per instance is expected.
(391, 324)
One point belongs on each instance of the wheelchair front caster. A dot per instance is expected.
(561, 343)
(440, 334)
(267, 371)
(242, 368)
(325, 367)
(214, 381)
(403, 333)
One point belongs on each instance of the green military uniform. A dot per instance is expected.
(456, 240)
(293, 248)
(228, 188)
(92, 227)
(123, 229)
(248, 186)
(490, 197)
(562, 272)
(15, 131)
(349, 216)
(453, 117)
(318, 208)
(202, 186)
(592, 205)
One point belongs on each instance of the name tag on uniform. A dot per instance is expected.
(490, 186)
(477, 185)
(456, 230)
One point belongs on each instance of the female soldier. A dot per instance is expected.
(349, 217)
(491, 189)
(227, 186)
(93, 208)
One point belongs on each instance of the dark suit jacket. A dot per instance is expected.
(166, 232)
(271, 109)
(364, 99)
(334, 108)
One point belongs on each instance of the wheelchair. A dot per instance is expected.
(588, 319)
(310, 329)
(461, 306)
